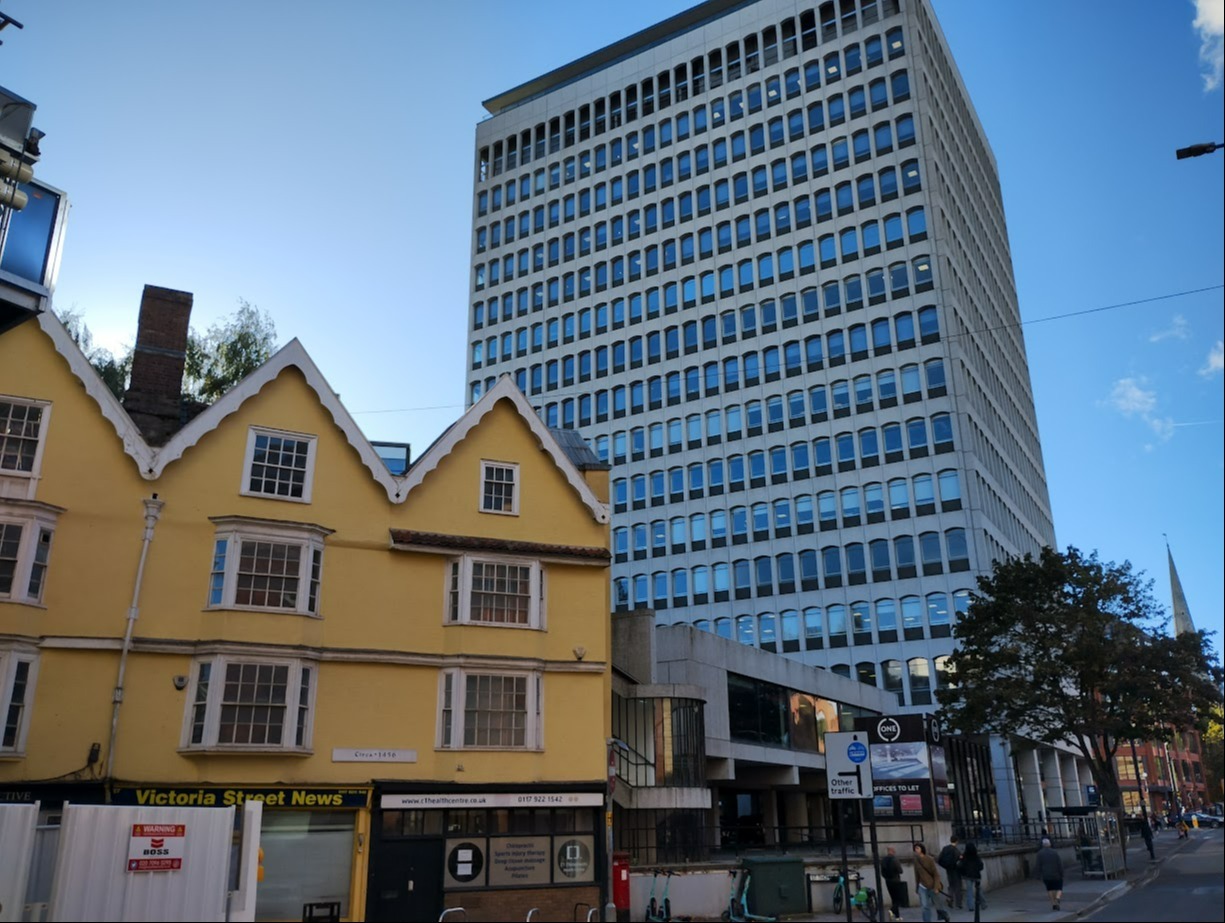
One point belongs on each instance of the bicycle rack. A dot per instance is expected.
(442, 916)
(530, 912)
(593, 915)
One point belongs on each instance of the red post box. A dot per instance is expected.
(621, 880)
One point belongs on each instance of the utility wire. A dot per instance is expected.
(1109, 307)
(1021, 323)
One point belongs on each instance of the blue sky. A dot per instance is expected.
(316, 160)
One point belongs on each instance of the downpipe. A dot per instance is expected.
(153, 511)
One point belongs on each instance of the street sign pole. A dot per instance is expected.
(848, 776)
(880, 893)
(847, 895)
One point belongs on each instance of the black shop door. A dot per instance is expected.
(405, 881)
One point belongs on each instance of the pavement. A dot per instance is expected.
(1028, 900)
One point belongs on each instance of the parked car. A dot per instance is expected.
(1205, 820)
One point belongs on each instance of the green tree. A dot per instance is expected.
(231, 350)
(114, 372)
(1214, 754)
(1067, 648)
(228, 352)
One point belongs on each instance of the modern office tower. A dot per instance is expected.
(756, 254)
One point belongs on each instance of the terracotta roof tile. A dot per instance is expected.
(503, 545)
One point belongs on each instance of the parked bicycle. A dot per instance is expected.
(864, 899)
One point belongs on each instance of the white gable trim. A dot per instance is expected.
(295, 355)
(505, 388)
(129, 434)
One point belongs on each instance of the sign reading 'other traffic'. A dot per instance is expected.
(847, 767)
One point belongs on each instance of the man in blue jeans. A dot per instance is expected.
(927, 884)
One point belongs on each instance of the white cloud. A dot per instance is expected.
(1178, 329)
(1210, 23)
(1162, 426)
(1129, 398)
(1215, 363)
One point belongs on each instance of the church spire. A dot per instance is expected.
(1182, 614)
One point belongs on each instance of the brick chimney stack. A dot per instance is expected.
(155, 394)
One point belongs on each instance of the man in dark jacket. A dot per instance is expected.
(948, 859)
(891, 871)
(1050, 870)
(1146, 832)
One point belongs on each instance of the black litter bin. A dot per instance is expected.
(778, 885)
(903, 890)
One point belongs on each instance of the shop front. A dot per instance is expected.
(496, 851)
(312, 837)
(52, 796)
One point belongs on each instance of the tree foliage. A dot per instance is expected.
(1214, 754)
(228, 352)
(1068, 648)
(216, 361)
(114, 372)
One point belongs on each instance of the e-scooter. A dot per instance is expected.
(738, 902)
(660, 911)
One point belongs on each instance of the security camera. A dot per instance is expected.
(180, 682)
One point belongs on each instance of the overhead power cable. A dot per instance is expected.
(1021, 323)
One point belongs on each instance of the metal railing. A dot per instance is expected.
(1061, 831)
(655, 838)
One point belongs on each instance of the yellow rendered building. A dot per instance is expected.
(411, 671)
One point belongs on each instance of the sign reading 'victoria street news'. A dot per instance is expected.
(156, 847)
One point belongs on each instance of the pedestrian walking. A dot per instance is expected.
(1050, 870)
(970, 868)
(947, 860)
(891, 871)
(1146, 833)
(927, 884)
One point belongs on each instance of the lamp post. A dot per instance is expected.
(1197, 150)
(1140, 776)
(1147, 832)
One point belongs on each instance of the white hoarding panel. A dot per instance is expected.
(17, 823)
(93, 881)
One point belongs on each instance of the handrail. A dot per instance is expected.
(442, 916)
(630, 748)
